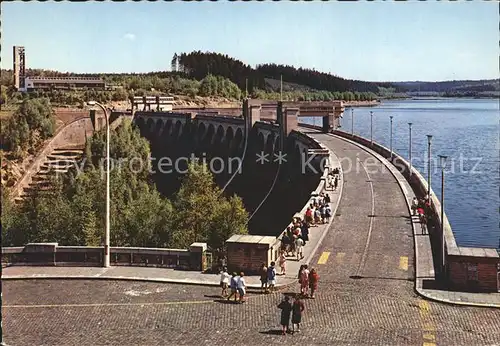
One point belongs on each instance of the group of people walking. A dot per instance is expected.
(421, 207)
(236, 283)
(333, 179)
(308, 280)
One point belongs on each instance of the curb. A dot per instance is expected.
(129, 278)
(420, 291)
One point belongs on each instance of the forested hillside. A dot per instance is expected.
(449, 86)
(198, 64)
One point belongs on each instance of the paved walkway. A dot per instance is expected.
(425, 273)
(142, 273)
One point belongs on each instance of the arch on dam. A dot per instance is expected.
(141, 124)
(219, 135)
(269, 147)
(208, 139)
(150, 124)
(201, 131)
(228, 141)
(177, 130)
(260, 145)
(238, 140)
(157, 130)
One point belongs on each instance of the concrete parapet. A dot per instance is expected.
(51, 254)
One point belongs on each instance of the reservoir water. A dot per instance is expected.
(467, 131)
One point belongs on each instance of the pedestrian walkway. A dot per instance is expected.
(143, 273)
(424, 266)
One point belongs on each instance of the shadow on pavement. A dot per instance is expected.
(225, 301)
(358, 277)
(272, 332)
(215, 296)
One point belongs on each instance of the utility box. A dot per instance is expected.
(247, 253)
(198, 256)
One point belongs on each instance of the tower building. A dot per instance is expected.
(19, 67)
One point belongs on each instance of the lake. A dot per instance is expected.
(467, 131)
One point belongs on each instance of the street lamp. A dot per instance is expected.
(409, 149)
(106, 242)
(442, 159)
(429, 139)
(352, 121)
(391, 135)
(371, 128)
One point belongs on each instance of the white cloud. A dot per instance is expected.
(130, 37)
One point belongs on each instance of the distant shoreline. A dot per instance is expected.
(361, 103)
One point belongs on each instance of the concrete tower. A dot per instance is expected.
(19, 67)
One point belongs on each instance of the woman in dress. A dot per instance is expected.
(299, 276)
(304, 281)
(282, 262)
(286, 309)
(297, 309)
(263, 277)
(313, 281)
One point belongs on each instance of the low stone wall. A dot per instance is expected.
(54, 255)
(471, 269)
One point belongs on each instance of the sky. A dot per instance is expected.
(373, 41)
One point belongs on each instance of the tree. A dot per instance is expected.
(72, 211)
(203, 214)
(32, 123)
(3, 96)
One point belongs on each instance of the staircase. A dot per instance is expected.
(60, 160)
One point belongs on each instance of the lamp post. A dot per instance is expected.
(106, 242)
(352, 121)
(371, 128)
(429, 171)
(442, 160)
(391, 135)
(409, 149)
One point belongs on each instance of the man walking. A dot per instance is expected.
(271, 276)
(234, 286)
(241, 287)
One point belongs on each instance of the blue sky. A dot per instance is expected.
(377, 41)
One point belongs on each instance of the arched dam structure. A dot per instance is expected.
(244, 154)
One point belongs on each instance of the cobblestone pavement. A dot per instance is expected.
(370, 239)
(123, 313)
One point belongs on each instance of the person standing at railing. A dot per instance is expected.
(299, 245)
(328, 213)
(327, 198)
(309, 216)
(414, 205)
(282, 263)
(304, 231)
